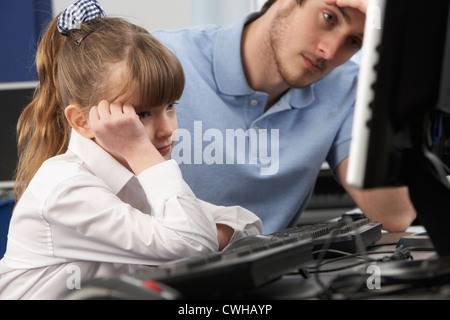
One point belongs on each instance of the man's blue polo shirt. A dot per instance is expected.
(231, 152)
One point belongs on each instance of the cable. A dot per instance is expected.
(345, 222)
(340, 287)
(349, 286)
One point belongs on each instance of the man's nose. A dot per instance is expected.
(329, 47)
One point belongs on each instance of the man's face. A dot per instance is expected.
(310, 40)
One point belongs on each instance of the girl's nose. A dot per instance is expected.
(164, 128)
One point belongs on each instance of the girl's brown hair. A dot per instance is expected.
(74, 69)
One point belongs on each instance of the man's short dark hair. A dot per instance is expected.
(269, 3)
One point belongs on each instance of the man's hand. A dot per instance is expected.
(361, 5)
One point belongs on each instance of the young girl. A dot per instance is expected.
(97, 193)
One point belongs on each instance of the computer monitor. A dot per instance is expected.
(13, 98)
(403, 106)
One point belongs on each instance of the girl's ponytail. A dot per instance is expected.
(42, 131)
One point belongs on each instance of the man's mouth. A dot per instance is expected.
(314, 67)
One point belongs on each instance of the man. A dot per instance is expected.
(267, 101)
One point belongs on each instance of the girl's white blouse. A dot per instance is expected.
(84, 216)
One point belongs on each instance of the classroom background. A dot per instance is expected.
(23, 21)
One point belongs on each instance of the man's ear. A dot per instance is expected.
(78, 120)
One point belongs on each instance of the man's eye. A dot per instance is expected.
(355, 43)
(143, 115)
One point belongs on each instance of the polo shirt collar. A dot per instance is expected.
(301, 98)
(229, 72)
(100, 162)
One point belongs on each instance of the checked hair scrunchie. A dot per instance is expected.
(80, 12)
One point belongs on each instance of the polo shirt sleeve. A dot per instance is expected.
(341, 147)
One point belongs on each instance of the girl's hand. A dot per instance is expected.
(224, 234)
(118, 129)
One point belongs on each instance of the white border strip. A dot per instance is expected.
(18, 85)
(6, 184)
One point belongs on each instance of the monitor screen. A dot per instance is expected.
(13, 98)
(402, 107)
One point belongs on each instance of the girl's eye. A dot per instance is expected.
(171, 107)
(328, 17)
(143, 115)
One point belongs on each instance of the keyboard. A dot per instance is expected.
(348, 236)
(261, 259)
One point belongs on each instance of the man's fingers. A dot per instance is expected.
(361, 5)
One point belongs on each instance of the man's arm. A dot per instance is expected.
(389, 206)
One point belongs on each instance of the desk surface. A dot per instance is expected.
(298, 286)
